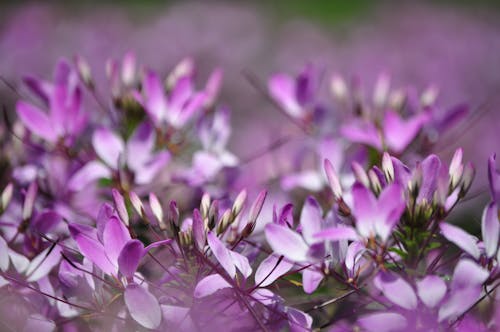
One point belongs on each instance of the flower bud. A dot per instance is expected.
(213, 214)
(397, 99)
(183, 68)
(120, 206)
(333, 179)
(224, 222)
(84, 71)
(128, 69)
(156, 208)
(239, 202)
(374, 181)
(467, 178)
(388, 167)
(174, 213)
(338, 87)
(6, 196)
(381, 90)
(360, 174)
(136, 203)
(429, 96)
(29, 200)
(205, 205)
(456, 168)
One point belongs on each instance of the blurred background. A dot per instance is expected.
(454, 45)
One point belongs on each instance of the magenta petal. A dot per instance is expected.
(4, 255)
(391, 205)
(269, 270)
(222, 254)
(458, 302)
(36, 121)
(431, 290)
(490, 229)
(108, 146)
(299, 321)
(43, 263)
(86, 239)
(383, 322)
(468, 274)
(147, 172)
(430, 172)
(311, 279)
(494, 179)
(114, 238)
(362, 132)
(398, 133)
(46, 221)
(129, 257)
(155, 103)
(337, 234)
(241, 263)
(310, 219)
(282, 90)
(209, 285)
(89, 173)
(286, 242)
(396, 290)
(140, 145)
(365, 208)
(462, 239)
(143, 306)
(199, 232)
(158, 244)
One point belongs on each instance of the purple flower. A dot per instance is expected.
(65, 118)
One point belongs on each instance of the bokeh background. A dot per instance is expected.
(454, 45)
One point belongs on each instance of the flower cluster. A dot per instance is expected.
(123, 209)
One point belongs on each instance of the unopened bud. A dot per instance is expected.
(205, 205)
(381, 90)
(174, 213)
(213, 214)
(136, 203)
(224, 222)
(467, 177)
(6, 196)
(84, 71)
(429, 96)
(199, 231)
(338, 87)
(156, 208)
(388, 167)
(239, 202)
(120, 206)
(333, 179)
(183, 68)
(360, 174)
(128, 69)
(257, 206)
(374, 181)
(397, 99)
(29, 200)
(456, 168)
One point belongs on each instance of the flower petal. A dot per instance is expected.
(114, 238)
(311, 279)
(108, 146)
(490, 229)
(36, 121)
(310, 219)
(383, 322)
(129, 257)
(431, 290)
(396, 290)
(209, 285)
(43, 263)
(143, 306)
(222, 254)
(282, 90)
(271, 269)
(462, 239)
(89, 173)
(286, 242)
